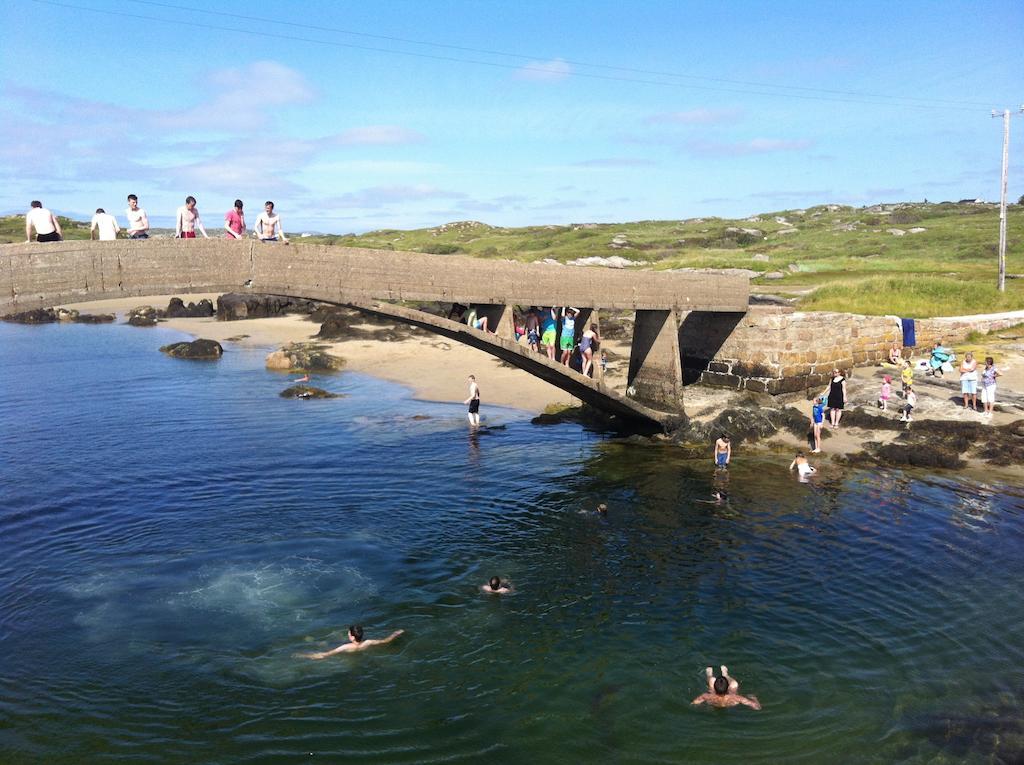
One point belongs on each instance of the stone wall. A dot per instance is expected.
(779, 350)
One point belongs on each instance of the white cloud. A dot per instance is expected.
(544, 71)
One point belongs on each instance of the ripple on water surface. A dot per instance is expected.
(174, 534)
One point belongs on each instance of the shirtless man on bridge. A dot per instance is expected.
(724, 692)
(268, 225)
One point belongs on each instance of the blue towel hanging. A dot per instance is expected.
(909, 335)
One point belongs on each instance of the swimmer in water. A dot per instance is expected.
(803, 468)
(720, 496)
(304, 378)
(356, 643)
(495, 586)
(724, 692)
(602, 509)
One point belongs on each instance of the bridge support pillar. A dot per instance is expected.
(655, 365)
(499, 319)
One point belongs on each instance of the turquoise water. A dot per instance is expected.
(173, 533)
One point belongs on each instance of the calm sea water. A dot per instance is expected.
(174, 532)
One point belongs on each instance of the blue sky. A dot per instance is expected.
(534, 113)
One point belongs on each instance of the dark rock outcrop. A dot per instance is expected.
(94, 318)
(234, 306)
(142, 316)
(346, 323)
(176, 309)
(197, 349)
(304, 357)
(308, 391)
(50, 315)
(37, 316)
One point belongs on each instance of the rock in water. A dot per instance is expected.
(142, 316)
(94, 318)
(308, 391)
(197, 349)
(37, 316)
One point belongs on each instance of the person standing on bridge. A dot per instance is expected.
(473, 401)
(44, 222)
(549, 332)
(138, 221)
(268, 225)
(105, 224)
(187, 221)
(567, 341)
(234, 222)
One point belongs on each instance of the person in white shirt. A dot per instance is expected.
(268, 226)
(138, 221)
(188, 220)
(106, 224)
(44, 222)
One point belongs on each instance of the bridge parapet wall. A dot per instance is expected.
(37, 275)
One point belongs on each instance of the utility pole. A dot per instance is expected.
(1001, 282)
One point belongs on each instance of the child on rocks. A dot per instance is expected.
(883, 398)
(907, 376)
(908, 408)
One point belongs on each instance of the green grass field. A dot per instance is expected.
(829, 257)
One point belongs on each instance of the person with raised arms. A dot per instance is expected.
(356, 642)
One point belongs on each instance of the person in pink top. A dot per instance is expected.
(886, 394)
(234, 222)
(188, 220)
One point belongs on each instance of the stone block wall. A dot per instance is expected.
(779, 350)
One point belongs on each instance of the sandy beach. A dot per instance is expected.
(435, 369)
(432, 367)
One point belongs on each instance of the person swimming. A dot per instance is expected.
(495, 586)
(724, 692)
(602, 509)
(803, 468)
(356, 643)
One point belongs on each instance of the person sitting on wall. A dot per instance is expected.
(896, 354)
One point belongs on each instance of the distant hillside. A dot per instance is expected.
(908, 259)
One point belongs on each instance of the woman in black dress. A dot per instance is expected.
(836, 397)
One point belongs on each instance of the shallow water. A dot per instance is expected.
(173, 533)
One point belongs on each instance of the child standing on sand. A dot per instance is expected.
(817, 420)
(907, 376)
(883, 397)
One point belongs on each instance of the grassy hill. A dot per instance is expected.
(907, 259)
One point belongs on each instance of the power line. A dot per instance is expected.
(497, 65)
(572, 62)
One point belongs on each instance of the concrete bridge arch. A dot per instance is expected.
(34, 275)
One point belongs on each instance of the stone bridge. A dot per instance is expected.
(378, 281)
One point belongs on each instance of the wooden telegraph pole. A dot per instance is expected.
(1002, 198)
